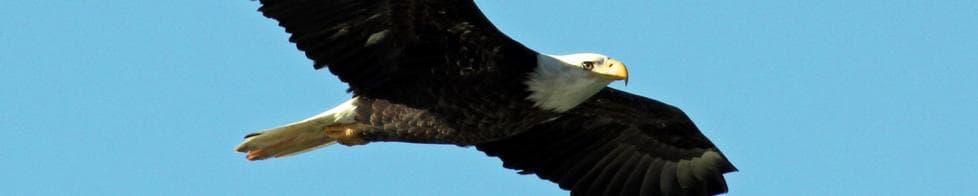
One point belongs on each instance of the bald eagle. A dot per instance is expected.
(438, 72)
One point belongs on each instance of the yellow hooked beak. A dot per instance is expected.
(612, 69)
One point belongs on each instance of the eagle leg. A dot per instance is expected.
(346, 134)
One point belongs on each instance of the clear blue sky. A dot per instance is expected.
(806, 97)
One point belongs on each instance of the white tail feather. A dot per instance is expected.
(298, 137)
(286, 140)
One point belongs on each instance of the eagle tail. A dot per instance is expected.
(302, 136)
(285, 141)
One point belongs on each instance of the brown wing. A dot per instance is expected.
(373, 43)
(617, 143)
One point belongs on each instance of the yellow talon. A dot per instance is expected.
(345, 134)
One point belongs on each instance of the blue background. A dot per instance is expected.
(805, 97)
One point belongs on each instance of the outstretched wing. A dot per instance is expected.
(618, 143)
(373, 43)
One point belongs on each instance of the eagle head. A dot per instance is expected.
(561, 82)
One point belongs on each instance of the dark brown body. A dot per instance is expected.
(424, 71)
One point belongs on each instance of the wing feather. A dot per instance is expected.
(578, 171)
(582, 187)
(617, 180)
(636, 176)
(650, 185)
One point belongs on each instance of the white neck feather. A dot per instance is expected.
(558, 86)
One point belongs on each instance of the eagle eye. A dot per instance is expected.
(588, 65)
